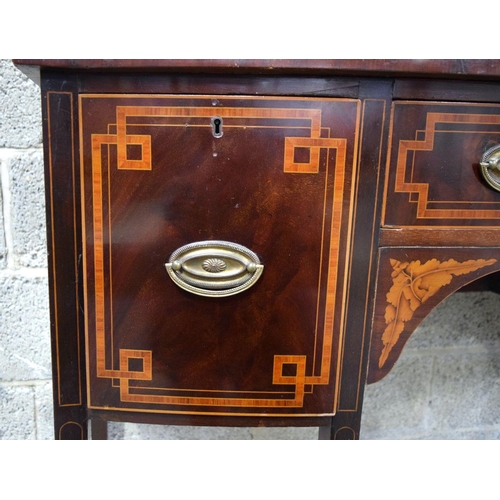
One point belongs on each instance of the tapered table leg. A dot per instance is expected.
(344, 426)
(98, 429)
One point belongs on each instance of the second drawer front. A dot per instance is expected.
(434, 176)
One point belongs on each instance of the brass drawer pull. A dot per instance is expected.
(214, 268)
(490, 167)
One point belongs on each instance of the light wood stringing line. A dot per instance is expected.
(51, 190)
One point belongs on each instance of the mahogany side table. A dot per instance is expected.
(249, 243)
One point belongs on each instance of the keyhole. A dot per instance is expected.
(217, 126)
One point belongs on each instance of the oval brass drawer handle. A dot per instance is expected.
(214, 268)
(490, 167)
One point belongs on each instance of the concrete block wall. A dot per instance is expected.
(446, 384)
(25, 388)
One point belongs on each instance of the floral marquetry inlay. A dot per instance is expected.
(413, 284)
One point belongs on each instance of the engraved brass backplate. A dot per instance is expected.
(214, 268)
(490, 167)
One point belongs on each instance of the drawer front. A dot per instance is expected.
(434, 176)
(274, 175)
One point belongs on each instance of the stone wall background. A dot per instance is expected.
(446, 385)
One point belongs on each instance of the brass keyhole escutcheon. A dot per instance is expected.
(216, 122)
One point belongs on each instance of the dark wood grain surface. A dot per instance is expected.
(461, 68)
(446, 90)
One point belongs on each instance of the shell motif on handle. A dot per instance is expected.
(214, 268)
